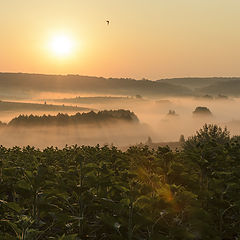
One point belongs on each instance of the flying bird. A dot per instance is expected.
(107, 21)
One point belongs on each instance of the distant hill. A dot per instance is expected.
(196, 83)
(191, 83)
(24, 84)
(230, 87)
(212, 86)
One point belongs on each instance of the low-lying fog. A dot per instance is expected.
(121, 135)
(153, 112)
(169, 128)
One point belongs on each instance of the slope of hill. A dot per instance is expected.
(23, 85)
(230, 87)
(196, 83)
(29, 83)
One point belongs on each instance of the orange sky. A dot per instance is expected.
(146, 38)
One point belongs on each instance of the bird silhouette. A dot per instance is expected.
(107, 21)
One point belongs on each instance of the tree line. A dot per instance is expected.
(79, 118)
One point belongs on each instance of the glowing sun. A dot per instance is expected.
(61, 45)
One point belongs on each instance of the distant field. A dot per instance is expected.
(98, 100)
(16, 106)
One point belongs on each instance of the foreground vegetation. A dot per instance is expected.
(104, 193)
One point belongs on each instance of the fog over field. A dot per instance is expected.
(164, 107)
(43, 137)
(153, 114)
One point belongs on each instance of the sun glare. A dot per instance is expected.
(61, 45)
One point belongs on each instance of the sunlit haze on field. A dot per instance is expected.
(108, 55)
(119, 119)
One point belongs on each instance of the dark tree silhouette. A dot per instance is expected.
(79, 118)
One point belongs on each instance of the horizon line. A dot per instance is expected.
(92, 76)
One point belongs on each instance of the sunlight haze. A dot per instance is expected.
(152, 39)
(119, 119)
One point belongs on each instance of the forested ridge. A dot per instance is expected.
(78, 118)
(104, 193)
(25, 84)
(29, 83)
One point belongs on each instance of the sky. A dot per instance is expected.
(151, 39)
